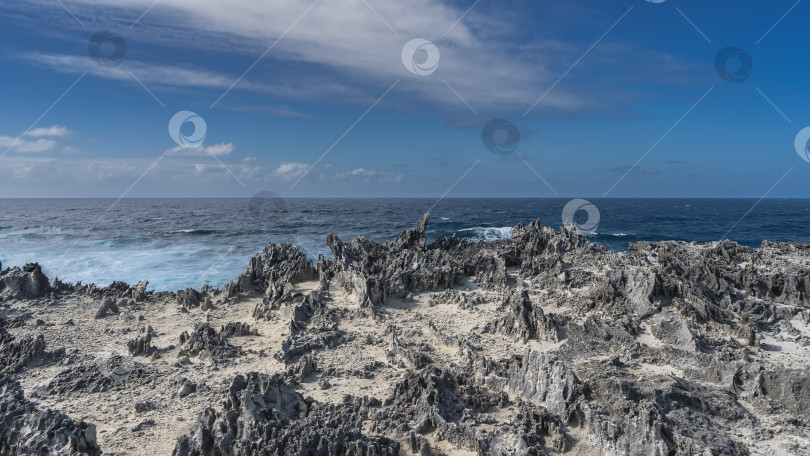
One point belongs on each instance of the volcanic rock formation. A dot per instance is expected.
(544, 343)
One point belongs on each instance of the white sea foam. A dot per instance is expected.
(484, 233)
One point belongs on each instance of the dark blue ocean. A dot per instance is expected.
(176, 243)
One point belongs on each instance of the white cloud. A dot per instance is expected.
(367, 176)
(148, 73)
(216, 150)
(221, 149)
(81, 176)
(111, 177)
(24, 145)
(344, 35)
(290, 171)
(56, 131)
(280, 111)
(205, 168)
(21, 145)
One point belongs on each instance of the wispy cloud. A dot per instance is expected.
(24, 146)
(75, 176)
(345, 37)
(56, 131)
(343, 50)
(175, 175)
(366, 176)
(216, 150)
(278, 110)
(150, 73)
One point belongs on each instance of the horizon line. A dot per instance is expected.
(406, 197)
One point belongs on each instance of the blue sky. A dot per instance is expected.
(632, 102)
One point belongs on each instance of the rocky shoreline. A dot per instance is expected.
(539, 344)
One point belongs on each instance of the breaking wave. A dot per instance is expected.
(484, 233)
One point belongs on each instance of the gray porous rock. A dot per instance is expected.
(145, 406)
(100, 372)
(115, 290)
(301, 344)
(238, 329)
(28, 282)
(542, 343)
(523, 320)
(141, 345)
(301, 306)
(207, 342)
(186, 387)
(301, 369)
(462, 299)
(189, 298)
(15, 353)
(138, 291)
(26, 428)
(687, 297)
(312, 327)
(373, 272)
(403, 355)
(263, 415)
(453, 406)
(281, 264)
(107, 306)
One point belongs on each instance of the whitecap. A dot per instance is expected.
(484, 233)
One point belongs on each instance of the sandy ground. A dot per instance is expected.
(70, 323)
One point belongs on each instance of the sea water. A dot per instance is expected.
(179, 243)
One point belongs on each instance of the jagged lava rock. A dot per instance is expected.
(27, 429)
(263, 415)
(27, 282)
